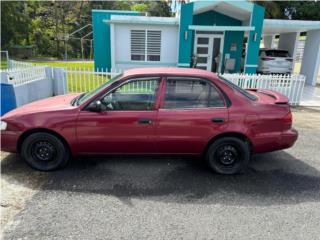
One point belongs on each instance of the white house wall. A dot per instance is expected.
(122, 51)
(311, 57)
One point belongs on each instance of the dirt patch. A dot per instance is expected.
(18, 184)
(306, 117)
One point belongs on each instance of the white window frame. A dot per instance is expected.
(146, 45)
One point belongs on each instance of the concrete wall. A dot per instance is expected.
(54, 83)
(289, 42)
(311, 57)
(122, 50)
(268, 41)
(233, 38)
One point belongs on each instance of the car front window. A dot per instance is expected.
(135, 95)
(86, 96)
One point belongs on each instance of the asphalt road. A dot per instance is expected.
(165, 198)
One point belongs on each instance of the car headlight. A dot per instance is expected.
(3, 125)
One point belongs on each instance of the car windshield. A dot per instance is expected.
(239, 89)
(85, 96)
(277, 53)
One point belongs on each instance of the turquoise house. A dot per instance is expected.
(219, 36)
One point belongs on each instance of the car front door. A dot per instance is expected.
(192, 111)
(127, 122)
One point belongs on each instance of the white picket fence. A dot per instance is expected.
(87, 79)
(289, 85)
(21, 76)
(82, 80)
(13, 64)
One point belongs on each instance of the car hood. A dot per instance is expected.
(49, 104)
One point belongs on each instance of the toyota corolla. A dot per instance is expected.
(153, 111)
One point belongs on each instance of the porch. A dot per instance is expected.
(310, 96)
(212, 36)
(287, 35)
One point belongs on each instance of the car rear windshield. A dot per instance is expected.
(277, 53)
(239, 89)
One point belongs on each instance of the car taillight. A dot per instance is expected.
(287, 120)
(267, 58)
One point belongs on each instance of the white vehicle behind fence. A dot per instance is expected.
(274, 61)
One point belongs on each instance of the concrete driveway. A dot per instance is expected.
(174, 198)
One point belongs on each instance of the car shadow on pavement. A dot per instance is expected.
(271, 179)
(14, 170)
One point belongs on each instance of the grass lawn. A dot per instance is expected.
(68, 64)
(80, 78)
(4, 64)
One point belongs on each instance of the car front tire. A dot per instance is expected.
(228, 155)
(44, 152)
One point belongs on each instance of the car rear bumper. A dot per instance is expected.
(284, 70)
(288, 138)
(273, 142)
(9, 140)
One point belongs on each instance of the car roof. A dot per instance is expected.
(272, 49)
(193, 72)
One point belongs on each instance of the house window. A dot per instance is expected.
(145, 45)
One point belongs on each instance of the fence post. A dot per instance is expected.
(4, 77)
(60, 82)
(10, 64)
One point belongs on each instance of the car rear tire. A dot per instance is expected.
(44, 152)
(228, 155)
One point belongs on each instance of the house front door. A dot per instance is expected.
(208, 51)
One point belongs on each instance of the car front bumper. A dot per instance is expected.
(9, 140)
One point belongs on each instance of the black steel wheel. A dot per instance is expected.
(44, 151)
(228, 155)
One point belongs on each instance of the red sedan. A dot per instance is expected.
(166, 111)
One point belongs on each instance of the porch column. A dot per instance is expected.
(185, 35)
(254, 38)
(311, 57)
(289, 42)
(268, 41)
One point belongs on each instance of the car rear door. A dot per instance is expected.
(192, 111)
(126, 125)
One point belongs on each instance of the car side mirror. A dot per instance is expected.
(95, 106)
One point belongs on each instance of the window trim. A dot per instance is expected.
(240, 90)
(131, 79)
(221, 93)
(146, 46)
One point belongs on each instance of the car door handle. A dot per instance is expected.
(217, 120)
(144, 121)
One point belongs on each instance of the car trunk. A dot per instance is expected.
(279, 101)
(269, 96)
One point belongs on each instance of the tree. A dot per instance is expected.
(299, 10)
(14, 24)
(42, 23)
(139, 7)
(159, 9)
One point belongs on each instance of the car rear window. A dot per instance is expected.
(239, 89)
(277, 53)
(182, 93)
